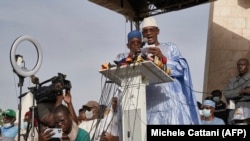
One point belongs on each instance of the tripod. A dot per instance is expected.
(31, 119)
(31, 127)
(33, 111)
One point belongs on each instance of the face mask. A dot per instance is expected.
(25, 125)
(7, 125)
(88, 114)
(206, 112)
(216, 99)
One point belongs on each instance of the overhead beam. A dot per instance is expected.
(136, 10)
(120, 6)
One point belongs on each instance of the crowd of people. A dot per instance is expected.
(171, 103)
(235, 110)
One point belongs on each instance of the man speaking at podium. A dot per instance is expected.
(171, 102)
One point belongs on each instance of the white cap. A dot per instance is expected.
(239, 114)
(208, 102)
(149, 21)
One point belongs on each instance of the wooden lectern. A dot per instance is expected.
(133, 79)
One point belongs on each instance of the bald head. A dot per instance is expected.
(243, 66)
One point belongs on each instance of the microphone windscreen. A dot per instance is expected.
(144, 40)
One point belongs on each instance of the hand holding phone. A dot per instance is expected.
(57, 132)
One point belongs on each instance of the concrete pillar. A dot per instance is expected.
(228, 40)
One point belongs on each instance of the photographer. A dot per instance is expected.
(64, 121)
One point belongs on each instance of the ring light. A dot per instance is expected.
(21, 71)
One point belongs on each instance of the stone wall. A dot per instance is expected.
(228, 40)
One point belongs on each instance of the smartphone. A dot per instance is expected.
(57, 131)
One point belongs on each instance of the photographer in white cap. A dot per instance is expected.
(170, 102)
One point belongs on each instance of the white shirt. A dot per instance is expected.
(108, 124)
(89, 126)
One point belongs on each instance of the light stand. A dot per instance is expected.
(20, 84)
(22, 72)
(19, 60)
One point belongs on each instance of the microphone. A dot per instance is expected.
(144, 41)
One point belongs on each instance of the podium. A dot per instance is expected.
(132, 80)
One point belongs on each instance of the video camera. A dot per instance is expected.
(49, 93)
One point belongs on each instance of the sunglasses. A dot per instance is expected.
(87, 108)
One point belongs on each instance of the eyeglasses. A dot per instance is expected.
(87, 108)
(152, 29)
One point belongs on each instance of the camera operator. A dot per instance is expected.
(48, 97)
(52, 96)
(46, 108)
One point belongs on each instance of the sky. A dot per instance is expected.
(77, 37)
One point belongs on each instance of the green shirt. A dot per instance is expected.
(82, 135)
